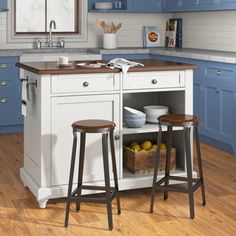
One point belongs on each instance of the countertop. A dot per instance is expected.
(52, 68)
(200, 54)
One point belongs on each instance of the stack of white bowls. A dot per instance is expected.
(134, 118)
(153, 112)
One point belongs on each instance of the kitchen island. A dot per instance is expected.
(57, 96)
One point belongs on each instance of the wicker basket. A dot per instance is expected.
(142, 162)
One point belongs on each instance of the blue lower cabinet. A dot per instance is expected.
(11, 119)
(214, 101)
(212, 108)
(199, 103)
(107, 57)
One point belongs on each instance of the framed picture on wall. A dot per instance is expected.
(151, 36)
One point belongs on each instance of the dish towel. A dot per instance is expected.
(24, 96)
(122, 64)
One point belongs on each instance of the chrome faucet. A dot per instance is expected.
(52, 24)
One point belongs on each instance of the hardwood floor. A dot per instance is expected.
(20, 214)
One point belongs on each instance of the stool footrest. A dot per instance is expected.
(182, 188)
(92, 199)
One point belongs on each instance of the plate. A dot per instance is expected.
(90, 65)
(64, 65)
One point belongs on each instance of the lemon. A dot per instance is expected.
(163, 146)
(146, 145)
(133, 143)
(154, 146)
(136, 148)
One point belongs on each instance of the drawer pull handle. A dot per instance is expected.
(3, 100)
(154, 81)
(86, 84)
(3, 82)
(117, 137)
(3, 66)
(219, 72)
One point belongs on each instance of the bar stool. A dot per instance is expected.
(93, 126)
(185, 121)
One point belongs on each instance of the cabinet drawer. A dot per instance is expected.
(84, 83)
(6, 85)
(7, 66)
(220, 73)
(154, 80)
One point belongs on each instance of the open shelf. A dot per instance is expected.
(147, 128)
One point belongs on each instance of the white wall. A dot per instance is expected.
(130, 35)
(209, 30)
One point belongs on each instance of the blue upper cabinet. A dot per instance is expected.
(198, 5)
(3, 5)
(144, 6)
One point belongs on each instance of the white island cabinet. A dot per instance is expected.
(56, 98)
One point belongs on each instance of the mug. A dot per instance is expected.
(62, 60)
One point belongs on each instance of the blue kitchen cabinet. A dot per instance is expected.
(214, 101)
(144, 6)
(10, 96)
(226, 4)
(171, 5)
(3, 5)
(108, 57)
(198, 103)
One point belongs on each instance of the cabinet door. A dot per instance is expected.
(65, 111)
(144, 6)
(228, 113)
(189, 5)
(227, 4)
(212, 110)
(171, 5)
(199, 102)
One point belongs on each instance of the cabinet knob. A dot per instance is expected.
(219, 72)
(154, 81)
(3, 82)
(3, 100)
(117, 137)
(3, 66)
(86, 84)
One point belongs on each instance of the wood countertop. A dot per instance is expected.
(45, 68)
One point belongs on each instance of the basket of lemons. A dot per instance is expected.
(139, 158)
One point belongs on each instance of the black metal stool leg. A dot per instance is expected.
(189, 171)
(156, 168)
(107, 178)
(81, 168)
(200, 165)
(168, 158)
(72, 165)
(115, 171)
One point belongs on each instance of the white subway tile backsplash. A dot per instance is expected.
(209, 30)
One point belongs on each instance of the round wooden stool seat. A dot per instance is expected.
(93, 126)
(179, 120)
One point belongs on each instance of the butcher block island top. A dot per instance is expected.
(43, 68)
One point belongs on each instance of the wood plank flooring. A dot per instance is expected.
(20, 214)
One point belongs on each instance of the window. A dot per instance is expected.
(30, 19)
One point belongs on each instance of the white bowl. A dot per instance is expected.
(103, 5)
(153, 112)
(131, 111)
